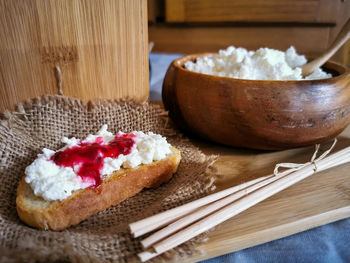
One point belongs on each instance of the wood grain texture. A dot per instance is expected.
(315, 201)
(99, 46)
(255, 113)
(304, 11)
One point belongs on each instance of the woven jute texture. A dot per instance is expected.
(103, 237)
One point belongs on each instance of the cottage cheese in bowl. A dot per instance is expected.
(262, 64)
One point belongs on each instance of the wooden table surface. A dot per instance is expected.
(315, 201)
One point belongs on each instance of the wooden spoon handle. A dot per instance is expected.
(341, 38)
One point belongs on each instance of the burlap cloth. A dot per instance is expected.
(104, 237)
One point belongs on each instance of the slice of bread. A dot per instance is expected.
(122, 184)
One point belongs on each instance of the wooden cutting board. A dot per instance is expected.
(83, 48)
(315, 201)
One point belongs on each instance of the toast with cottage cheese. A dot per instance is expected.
(120, 185)
(61, 188)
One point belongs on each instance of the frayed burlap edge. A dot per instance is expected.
(16, 122)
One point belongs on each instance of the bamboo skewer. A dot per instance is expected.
(148, 224)
(227, 212)
(206, 210)
(268, 187)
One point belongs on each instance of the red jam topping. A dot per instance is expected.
(87, 158)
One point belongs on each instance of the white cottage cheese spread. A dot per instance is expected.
(54, 182)
(262, 64)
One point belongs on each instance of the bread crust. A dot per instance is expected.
(122, 184)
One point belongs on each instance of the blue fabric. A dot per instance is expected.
(159, 66)
(328, 243)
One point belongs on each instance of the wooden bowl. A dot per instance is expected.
(258, 114)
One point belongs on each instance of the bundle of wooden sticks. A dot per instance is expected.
(180, 224)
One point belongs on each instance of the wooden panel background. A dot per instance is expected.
(100, 47)
(305, 11)
(187, 40)
(194, 26)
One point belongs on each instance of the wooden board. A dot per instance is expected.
(317, 200)
(101, 48)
